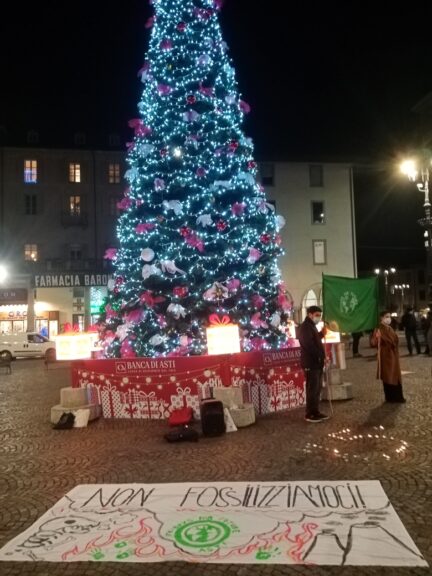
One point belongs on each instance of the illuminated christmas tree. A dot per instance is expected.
(196, 233)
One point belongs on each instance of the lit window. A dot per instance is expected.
(114, 173)
(318, 214)
(74, 205)
(30, 204)
(30, 252)
(316, 178)
(74, 172)
(30, 171)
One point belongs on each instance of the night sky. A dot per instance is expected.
(325, 81)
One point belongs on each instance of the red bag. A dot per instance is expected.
(180, 416)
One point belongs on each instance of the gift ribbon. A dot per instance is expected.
(216, 320)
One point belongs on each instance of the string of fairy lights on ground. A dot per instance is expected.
(347, 445)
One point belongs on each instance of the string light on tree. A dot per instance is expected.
(196, 234)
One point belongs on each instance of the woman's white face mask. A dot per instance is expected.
(386, 321)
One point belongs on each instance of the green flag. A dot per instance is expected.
(351, 302)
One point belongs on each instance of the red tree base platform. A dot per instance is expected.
(151, 388)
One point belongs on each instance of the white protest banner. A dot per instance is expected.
(315, 523)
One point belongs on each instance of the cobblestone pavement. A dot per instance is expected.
(38, 465)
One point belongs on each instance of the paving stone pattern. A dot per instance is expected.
(38, 465)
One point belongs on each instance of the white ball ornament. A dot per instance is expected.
(147, 255)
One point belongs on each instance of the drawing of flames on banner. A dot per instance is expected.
(310, 523)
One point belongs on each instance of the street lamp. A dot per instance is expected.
(385, 272)
(418, 171)
(3, 273)
(401, 288)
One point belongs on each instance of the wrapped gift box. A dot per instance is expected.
(229, 396)
(244, 415)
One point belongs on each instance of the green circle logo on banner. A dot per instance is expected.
(204, 533)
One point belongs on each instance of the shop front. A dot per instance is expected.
(49, 303)
(77, 297)
(13, 320)
(13, 310)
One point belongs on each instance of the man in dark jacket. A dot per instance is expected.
(312, 361)
(409, 324)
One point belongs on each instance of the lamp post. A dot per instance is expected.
(385, 272)
(401, 288)
(3, 273)
(418, 172)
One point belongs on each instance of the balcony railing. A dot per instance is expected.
(63, 265)
(88, 264)
(69, 219)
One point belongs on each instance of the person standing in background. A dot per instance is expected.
(426, 326)
(388, 370)
(312, 361)
(428, 333)
(355, 344)
(409, 324)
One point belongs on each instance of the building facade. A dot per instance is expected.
(317, 202)
(58, 214)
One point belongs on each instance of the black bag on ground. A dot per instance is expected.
(212, 417)
(182, 434)
(65, 422)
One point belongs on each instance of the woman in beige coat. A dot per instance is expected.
(387, 341)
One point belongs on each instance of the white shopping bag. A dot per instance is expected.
(229, 422)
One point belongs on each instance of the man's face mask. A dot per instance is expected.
(316, 318)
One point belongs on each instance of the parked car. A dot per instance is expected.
(26, 345)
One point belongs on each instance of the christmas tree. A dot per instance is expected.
(197, 236)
